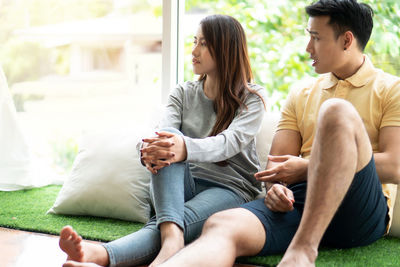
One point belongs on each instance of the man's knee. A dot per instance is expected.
(218, 222)
(339, 118)
(232, 223)
(228, 224)
(338, 113)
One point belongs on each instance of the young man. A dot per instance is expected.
(337, 140)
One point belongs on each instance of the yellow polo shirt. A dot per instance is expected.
(374, 93)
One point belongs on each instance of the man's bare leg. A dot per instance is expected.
(341, 148)
(226, 235)
(172, 241)
(80, 251)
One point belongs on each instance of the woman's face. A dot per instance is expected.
(202, 61)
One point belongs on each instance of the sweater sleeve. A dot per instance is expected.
(172, 116)
(232, 140)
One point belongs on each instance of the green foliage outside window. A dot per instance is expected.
(277, 40)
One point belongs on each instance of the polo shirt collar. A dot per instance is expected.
(358, 79)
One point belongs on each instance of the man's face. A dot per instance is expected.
(325, 50)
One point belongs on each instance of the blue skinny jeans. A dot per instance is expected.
(177, 197)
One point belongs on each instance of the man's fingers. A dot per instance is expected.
(283, 197)
(277, 205)
(289, 194)
(268, 172)
(278, 158)
(276, 177)
(271, 202)
(279, 198)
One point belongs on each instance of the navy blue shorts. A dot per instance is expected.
(360, 220)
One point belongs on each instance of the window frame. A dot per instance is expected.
(172, 46)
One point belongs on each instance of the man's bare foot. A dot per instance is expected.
(79, 264)
(79, 251)
(171, 242)
(298, 258)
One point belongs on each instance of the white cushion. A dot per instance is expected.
(265, 136)
(395, 228)
(107, 180)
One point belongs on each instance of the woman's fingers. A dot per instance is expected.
(160, 136)
(157, 154)
(157, 162)
(150, 168)
(157, 165)
(161, 164)
(165, 134)
(159, 144)
(155, 140)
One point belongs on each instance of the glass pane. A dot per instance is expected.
(75, 67)
(275, 38)
(277, 41)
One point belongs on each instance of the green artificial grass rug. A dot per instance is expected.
(26, 210)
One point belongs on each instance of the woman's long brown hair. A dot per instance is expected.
(226, 41)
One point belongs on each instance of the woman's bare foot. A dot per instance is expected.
(79, 251)
(70, 243)
(171, 242)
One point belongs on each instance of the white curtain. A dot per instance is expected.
(19, 169)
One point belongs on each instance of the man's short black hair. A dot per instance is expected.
(346, 15)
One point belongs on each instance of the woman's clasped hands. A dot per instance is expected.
(162, 150)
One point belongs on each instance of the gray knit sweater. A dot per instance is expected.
(190, 111)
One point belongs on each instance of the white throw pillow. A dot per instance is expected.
(395, 228)
(265, 136)
(107, 180)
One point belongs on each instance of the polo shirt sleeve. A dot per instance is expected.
(288, 119)
(391, 107)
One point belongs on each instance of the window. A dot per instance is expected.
(75, 67)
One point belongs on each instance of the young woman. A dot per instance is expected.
(203, 157)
